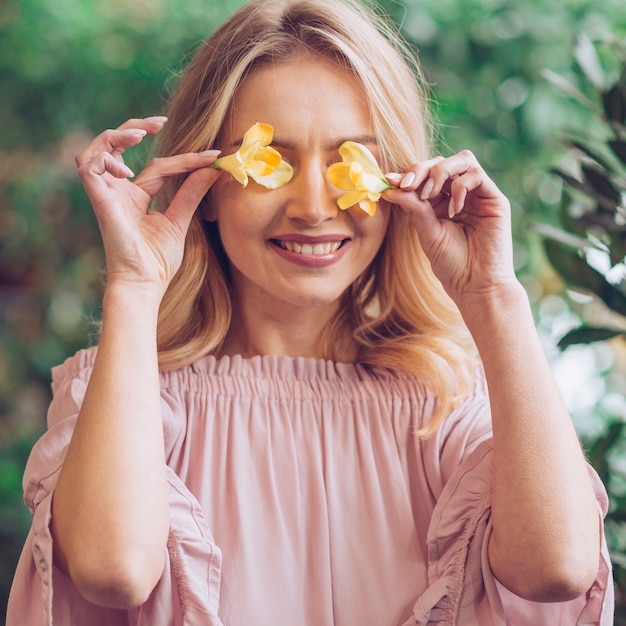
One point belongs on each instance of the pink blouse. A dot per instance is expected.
(299, 494)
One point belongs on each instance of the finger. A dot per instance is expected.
(414, 176)
(421, 212)
(104, 163)
(419, 175)
(92, 175)
(444, 171)
(128, 134)
(190, 194)
(460, 187)
(151, 125)
(486, 198)
(153, 177)
(112, 141)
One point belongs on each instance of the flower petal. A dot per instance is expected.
(359, 175)
(367, 181)
(339, 175)
(351, 151)
(269, 156)
(259, 168)
(255, 158)
(248, 152)
(232, 164)
(259, 133)
(368, 206)
(280, 176)
(350, 198)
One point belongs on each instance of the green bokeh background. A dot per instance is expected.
(70, 69)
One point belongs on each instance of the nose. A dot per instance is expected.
(312, 198)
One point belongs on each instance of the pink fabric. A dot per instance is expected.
(299, 494)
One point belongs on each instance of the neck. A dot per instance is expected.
(282, 331)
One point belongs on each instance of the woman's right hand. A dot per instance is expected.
(143, 248)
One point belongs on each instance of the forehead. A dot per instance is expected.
(306, 95)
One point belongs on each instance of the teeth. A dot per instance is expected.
(318, 249)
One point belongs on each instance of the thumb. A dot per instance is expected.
(189, 196)
(421, 213)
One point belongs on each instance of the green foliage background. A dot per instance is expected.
(70, 69)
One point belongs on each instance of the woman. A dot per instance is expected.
(286, 419)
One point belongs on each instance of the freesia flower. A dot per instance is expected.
(255, 158)
(359, 176)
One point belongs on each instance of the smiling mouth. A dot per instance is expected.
(310, 249)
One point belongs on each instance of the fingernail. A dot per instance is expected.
(129, 173)
(204, 153)
(156, 118)
(394, 178)
(427, 189)
(139, 132)
(408, 180)
(451, 209)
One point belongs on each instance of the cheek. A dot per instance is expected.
(241, 226)
(374, 229)
(244, 212)
(228, 201)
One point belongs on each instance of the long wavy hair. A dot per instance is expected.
(396, 312)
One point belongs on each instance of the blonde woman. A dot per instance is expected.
(302, 412)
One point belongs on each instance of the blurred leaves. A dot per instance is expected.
(68, 70)
(588, 334)
(575, 271)
(589, 252)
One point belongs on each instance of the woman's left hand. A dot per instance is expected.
(463, 221)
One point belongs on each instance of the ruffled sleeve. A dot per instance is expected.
(41, 595)
(461, 582)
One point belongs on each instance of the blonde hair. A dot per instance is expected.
(397, 312)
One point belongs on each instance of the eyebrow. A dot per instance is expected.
(286, 144)
(362, 139)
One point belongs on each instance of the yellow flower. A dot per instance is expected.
(255, 158)
(359, 176)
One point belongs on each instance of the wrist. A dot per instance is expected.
(126, 303)
(143, 295)
(505, 307)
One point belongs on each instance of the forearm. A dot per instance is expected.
(110, 507)
(545, 520)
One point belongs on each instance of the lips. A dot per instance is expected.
(310, 249)
(317, 252)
